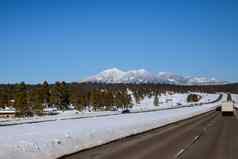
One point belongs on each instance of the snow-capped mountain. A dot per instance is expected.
(138, 76)
(115, 75)
(204, 81)
(171, 78)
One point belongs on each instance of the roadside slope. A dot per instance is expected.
(55, 139)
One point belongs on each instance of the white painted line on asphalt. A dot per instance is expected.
(196, 138)
(183, 150)
(180, 153)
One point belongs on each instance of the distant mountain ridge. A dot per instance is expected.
(140, 76)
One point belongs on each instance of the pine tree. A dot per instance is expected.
(156, 100)
(229, 98)
(64, 95)
(4, 100)
(36, 100)
(60, 95)
(45, 93)
(22, 103)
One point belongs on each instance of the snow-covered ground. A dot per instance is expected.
(235, 99)
(50, 140)
(170, 101)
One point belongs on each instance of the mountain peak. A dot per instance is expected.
(114, 69)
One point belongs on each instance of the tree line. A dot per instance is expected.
(29, 99)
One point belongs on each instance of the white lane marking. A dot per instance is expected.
(196, 138)
(180, 153)
(183, 150)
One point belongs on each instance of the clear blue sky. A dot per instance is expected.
(71, 39)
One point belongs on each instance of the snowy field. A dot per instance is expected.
(166, 101)
(171, 101)
(235, 97)
(50, 140)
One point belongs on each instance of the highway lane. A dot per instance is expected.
(185, 139)
(219, 142)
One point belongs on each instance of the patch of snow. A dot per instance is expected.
(7, 110)
(235, 99)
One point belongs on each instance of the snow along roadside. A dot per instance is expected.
(55, 139)
(235, 99)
